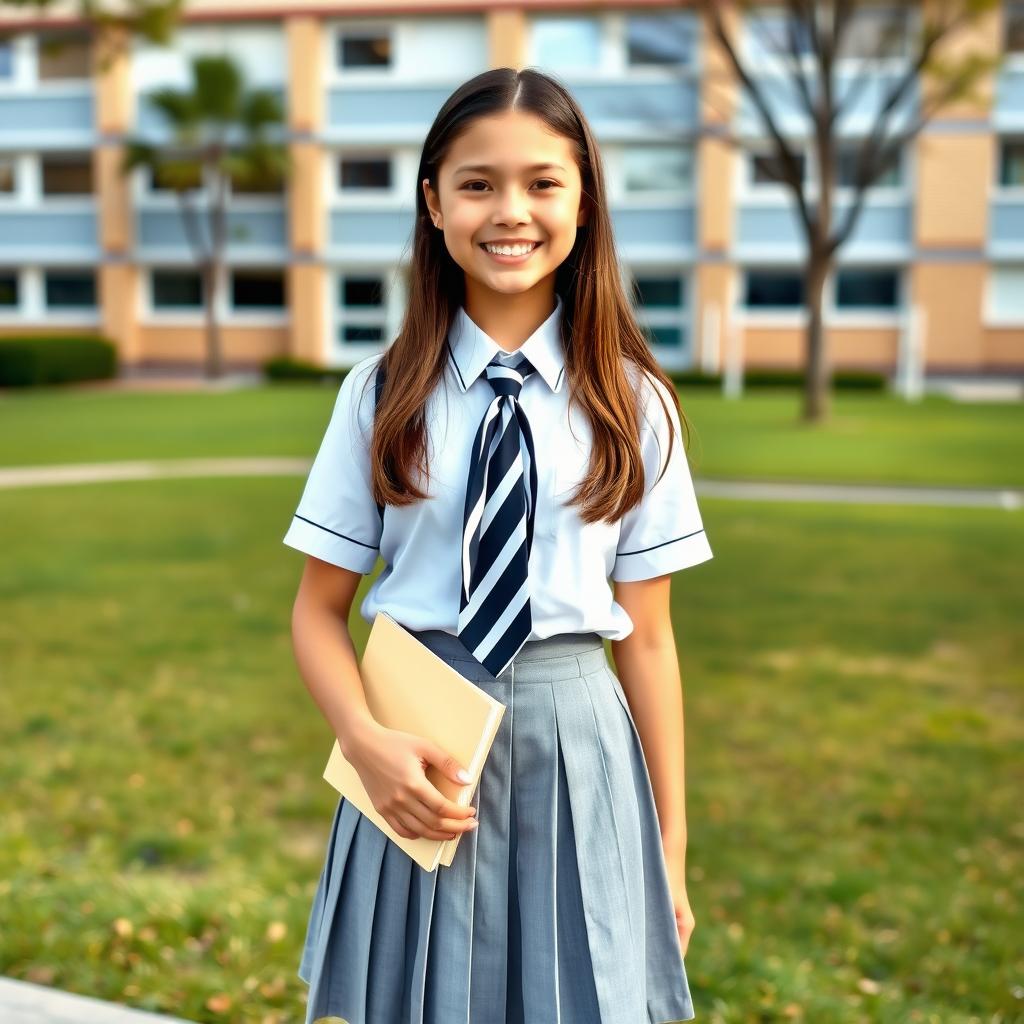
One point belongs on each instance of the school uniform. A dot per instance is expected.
(556, 908)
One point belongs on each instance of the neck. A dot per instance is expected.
(510, 319)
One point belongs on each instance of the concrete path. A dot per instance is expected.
(22, 1002)
(1011, 499)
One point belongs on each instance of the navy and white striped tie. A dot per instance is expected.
(497, 534)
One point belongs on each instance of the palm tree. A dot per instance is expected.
(219, 134)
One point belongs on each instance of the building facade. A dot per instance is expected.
(709, 243)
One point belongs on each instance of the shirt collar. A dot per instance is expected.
(470, 349)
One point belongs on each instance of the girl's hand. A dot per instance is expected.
(680, 900)
(392, 766)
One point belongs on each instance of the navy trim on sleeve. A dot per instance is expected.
(336, 534)
(640, 551)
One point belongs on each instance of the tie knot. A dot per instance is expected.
(506, 379)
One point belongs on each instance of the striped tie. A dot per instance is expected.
(497, 535)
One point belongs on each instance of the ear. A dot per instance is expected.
(583, 216)
(431, 200)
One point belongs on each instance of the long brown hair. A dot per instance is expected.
(599, 331)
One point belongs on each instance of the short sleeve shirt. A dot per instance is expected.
(571, 562)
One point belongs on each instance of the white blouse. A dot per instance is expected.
(570, 562)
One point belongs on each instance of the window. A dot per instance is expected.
(67, 175)
(657, 168)
(64, 55)
(176, 289)
(8, 289)
(361, 298)
(859, 289)
(258, 289)
(660, 302)
(765, 168)
(70, 289)
(659, 39)
(258, 48)
(6, 60)
(872, 33)
(766, 289)
(360, 50)
(1014, 28)
(567, 43)
(1006, 292)
(364, 173)
(1011, 162)
(847, 155)
(8, 175)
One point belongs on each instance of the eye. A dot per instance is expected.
(547, 181)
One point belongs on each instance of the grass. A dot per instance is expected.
(854, 684)
(872, 438)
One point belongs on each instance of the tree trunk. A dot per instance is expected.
(214, 361)
(817, 378)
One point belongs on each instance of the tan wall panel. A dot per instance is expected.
(114, 199)
(984, 38)
(849, 348)
(718, 88)
(1004, 348)
(118, 289)
(304, 44)
(304, 337)
(307, 289)
(716, 169)
(951, 295)
(711, 282)
(954, 179)
(307, 197)
(112, 78)
(506, 36)
(241, 345)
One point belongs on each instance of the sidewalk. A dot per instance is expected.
(22, 1002)
(1009, 498)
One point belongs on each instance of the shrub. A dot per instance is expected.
(289, 369)
(60, 359)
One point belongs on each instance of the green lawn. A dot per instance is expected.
(854, 682)
(873, 438)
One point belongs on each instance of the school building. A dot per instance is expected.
(710, 245)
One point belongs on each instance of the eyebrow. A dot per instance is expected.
(488, 167)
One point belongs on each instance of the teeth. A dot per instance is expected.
(510, 250)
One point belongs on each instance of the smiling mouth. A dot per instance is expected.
(510, 256)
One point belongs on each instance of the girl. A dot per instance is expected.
(526, 446)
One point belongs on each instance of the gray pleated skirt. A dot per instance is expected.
(556, 909)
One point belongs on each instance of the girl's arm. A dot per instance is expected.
(647, 665)
(324, 651)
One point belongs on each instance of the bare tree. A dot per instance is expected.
(810, 43)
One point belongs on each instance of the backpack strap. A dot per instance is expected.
(378, 390)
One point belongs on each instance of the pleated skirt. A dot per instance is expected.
(556, 909)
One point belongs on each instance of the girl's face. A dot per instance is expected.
(508, 179)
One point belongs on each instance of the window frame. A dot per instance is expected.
(866, 317)
(991, 316)
(615, 176)
(679, 317)
(394, 291)
(70, 310)
(614, 49)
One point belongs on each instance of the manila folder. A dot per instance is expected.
(410, 688)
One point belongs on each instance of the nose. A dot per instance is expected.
(511, 208)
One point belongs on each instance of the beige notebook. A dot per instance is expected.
(408, 687)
